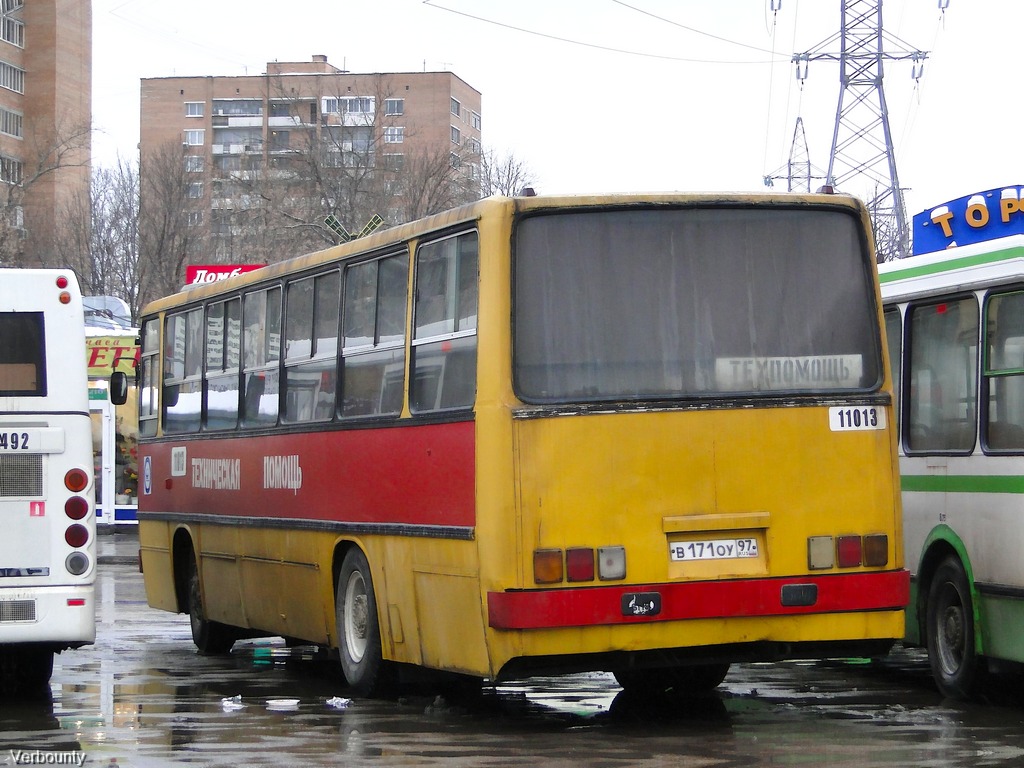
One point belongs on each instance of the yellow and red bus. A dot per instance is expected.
(649, 435)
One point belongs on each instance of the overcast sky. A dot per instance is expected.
(616, 95)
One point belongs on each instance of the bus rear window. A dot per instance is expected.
(22, 354)
(663, 303)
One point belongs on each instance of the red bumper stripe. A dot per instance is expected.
(583, 606)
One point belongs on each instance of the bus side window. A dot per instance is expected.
(894, 339)
(1004, 372)
(311, 320)
(149, 404)
(261, 349)
(373, 351)
(183, 387)
(943, 376)
(445, 316)
(223, 347)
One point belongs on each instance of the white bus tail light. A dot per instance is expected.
(76, 535)
(579, 564)
(76, 480)
(611, 563)
(821, 553)
(77, 563)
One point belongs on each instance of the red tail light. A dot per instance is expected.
(579, 564)
(76, 507)
(76, 535)
(76, 480)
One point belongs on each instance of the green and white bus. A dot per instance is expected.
(955, 326)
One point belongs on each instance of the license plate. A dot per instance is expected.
(31, 440)
(712, 549)
(19, 440)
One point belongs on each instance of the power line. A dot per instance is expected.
(596, 46)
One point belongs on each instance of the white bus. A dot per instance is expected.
(955, 326)
(47, 506)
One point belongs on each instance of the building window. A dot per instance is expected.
(10, 123)
(12, 78)
(456, 107)
(194, 108)
(195, 138)
(194, 163)
(13, 31)
(350, 105)
(394, 106)
(475, 120)
(195, 218)
(456, 136)
(279, 140)
(195, 190)
(9, 6)
(394, 161)
(394, 134)
(238, 107)
(11, 170)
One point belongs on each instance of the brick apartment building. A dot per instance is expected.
(239, 137)
(45, 120)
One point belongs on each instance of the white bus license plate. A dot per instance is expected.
(32, 440)
(712, 549)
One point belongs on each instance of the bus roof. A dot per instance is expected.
(963, 267)
(383, 239)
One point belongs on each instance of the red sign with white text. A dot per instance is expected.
(200, 274)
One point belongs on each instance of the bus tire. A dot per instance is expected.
(956, 667)
(211, 638)
(25, 671)
(685, 680)
(359, 645)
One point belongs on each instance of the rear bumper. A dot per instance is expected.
(734, 598)
(62, 616)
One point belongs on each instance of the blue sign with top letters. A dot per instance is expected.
(970, 219)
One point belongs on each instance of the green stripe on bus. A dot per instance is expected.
(963, 483)
(966, 261)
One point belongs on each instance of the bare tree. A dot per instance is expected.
(170, 212)
(505, 174)
(32, 190)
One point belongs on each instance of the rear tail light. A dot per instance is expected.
(824, 552)
(821, 553)
(547, 566)
(76, 507)
(611, 563)
(77, 563)
(848, 551)
(76, 535)
(579, 564)
(876, 550)
(76, 480)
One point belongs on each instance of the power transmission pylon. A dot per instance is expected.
(861, 140)
(798, 171)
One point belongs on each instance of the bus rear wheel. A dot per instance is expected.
(25, 671)
(210, 637)
(358, 628)
(687, 680)
(956, 666)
